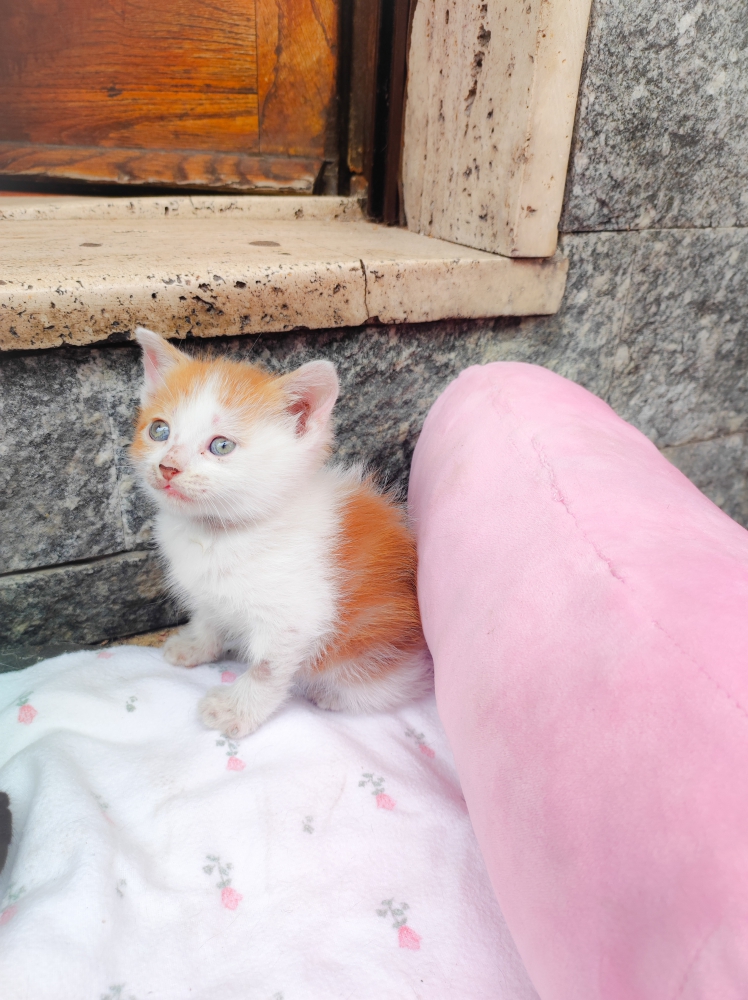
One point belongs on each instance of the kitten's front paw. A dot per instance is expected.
(184, 649)
(218, 710)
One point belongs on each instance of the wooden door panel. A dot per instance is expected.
(297, 43)
(128, 76)
(244, 172)
(229, 93)
(145, 119)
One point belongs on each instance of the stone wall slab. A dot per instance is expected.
(681, 365)
(661, 136)
(720, 469)
(59, 496)
(85, 603)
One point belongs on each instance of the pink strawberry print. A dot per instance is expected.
(104, 655)
(104, 806)
(228, 677)
(234, 763)
(420, 741)
(406, 936)
(26, 713)
(383, 800)
(230, 898)
(12, 896)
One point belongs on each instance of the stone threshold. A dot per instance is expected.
(152, 639)
(85, 270)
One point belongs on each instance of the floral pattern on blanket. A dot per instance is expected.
(26, 712)
(301, 855)
(406, 936)
(8, 909)
(104, 807)
(115, 993)
(227, 676)
(383, 800)
(230, 898)
(234, 762)
(420, 741)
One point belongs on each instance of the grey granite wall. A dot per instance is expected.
(660, 161)
(661, 138)
(653, 321)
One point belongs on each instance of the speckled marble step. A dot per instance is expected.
(81, 271)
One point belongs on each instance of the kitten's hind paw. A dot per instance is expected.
(218, 710)
(327, 699)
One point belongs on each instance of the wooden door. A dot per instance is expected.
(231, 94)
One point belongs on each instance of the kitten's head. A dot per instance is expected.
(224, 440)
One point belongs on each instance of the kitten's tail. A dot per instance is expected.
(381, 680)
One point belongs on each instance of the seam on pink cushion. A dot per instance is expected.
(558, 496)
(701, 670)
(557, 493)
(694, 962)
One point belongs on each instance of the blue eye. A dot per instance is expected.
(159, 430)
(221, 446)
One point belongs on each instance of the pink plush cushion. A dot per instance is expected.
(587, 610)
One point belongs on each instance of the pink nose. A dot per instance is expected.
(168, 472)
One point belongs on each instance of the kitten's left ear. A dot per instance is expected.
(158, 357)
(311, 392)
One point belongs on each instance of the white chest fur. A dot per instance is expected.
(268, 586)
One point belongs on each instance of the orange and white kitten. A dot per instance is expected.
(303, 568)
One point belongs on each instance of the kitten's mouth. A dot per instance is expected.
(173, 492)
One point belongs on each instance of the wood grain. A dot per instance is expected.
(392, 209)
(364, 51)
(134, 73)
(240, 172)
(168, 88)
(296, 67)
(169, 120)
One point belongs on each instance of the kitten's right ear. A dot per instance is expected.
(158, 357)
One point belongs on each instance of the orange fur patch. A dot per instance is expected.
(378, 609)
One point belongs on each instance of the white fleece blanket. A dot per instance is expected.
(326, 856)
